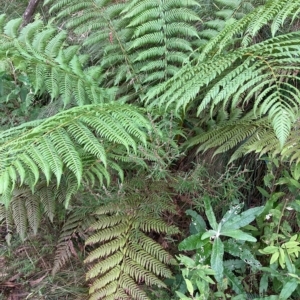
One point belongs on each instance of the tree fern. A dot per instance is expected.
(105, 36)
(64, 148)
(247, 135)
(233, 79)
(26, 210)
(248, 26)
(125, 256)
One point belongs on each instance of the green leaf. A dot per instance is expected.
(274, 257)
(217, 259)
(238, 234)
(268, 206)
(242, 250)
(290, 266)
(182, 296)
(189, 286)
(281, 258)
(269, 250)
(233, 211)
(197, 221)
(209, 213)
(202, 274)
(296, 171)
(235, 282)
(288, 289)
(290, 244)
(192, 242)
(263, 192)
(208, 234)
(244, 218)
(263, 284)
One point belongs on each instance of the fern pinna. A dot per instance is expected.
(126, 256)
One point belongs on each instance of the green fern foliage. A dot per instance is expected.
(80, 141)
(161, 36)
(218, 14)
(142, 42)
(26, 210)
(52, 66)
(224, 79)
(272, 13)
(125, 256)
(263, 72)
(234, 133)
(102, 31)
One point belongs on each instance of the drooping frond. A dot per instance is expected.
(24, 212)
(26, 209)
(240, 133)
(75, 227)
(53, 66)
(268, 145)
(246, 135)
(19, 215)
(79, 140)
(125, 256)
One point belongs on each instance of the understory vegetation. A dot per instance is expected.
(150, 149)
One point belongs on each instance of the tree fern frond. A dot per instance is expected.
(88, 140)
(159, 36)
(67, 152)
(47, 198)
(101, 23)
(270, 11)
(249, 25)
(126, 29)
(12, 27)
(125, 256)
(51, 155)
(62, 137)
(239, 132)
(232, 73)
(146, 261)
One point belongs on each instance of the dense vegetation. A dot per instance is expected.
(150, 150)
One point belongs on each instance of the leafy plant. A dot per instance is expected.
(290, 249)
(211, 244)
(277, 238)
(195, 274)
